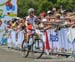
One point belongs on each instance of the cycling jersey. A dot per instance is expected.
(29, 27)
(31, 20)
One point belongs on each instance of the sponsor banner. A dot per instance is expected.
(63, 39)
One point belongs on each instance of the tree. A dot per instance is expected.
(43, 5)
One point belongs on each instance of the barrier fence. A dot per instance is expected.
(60, 41)
(63, 40)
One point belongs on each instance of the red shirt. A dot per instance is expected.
(29, 27)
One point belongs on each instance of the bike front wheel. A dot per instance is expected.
(38, 48)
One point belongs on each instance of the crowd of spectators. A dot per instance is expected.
(17, 27)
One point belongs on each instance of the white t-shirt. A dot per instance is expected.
(31, 20)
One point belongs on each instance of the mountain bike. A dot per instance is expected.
(36, 48)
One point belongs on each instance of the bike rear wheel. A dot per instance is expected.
(25, 49)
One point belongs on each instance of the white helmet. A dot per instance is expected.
(48, 12)
(31, 10)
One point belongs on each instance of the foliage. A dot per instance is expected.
(43, 5)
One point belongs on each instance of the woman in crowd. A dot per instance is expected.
(8, 30)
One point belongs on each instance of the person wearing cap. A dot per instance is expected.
(44, 35)
(54, 10)
(48, 15)
(43, 16)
